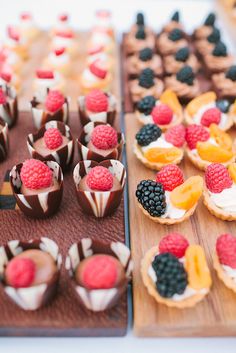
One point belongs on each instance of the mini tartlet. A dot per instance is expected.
(4, 140)
(59, 60)
(100, 272)
(174, 62)
(99, 186)
(203, 31)
(29, 272)
(146, 58)
(224, 84)
(176, 273)
(95, 76)
(173, 23)
(45, 81)
(170, 43)
(137, 40)
(8, 105)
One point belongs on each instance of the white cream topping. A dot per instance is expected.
(62, 42)
(159, 143)
(103, 57)
(89, 76)
(198, 116)
(58, 60)
(226, 200)
(231, 272)
(172, 211)
(99, 38)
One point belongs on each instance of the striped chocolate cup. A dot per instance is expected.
(9, 110)
(4, 140)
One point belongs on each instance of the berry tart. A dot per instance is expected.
(100, 272)
(174, 62)
(8, 105)
(224, 83)
(218, 60)
(169, 199)
(208, 145)
(220, 186)
(95, 76)
(139, 39)
(54, 107)
(46, 80)
(27, 27)
(144, 59)
(207, 45)
(203, 31)
(99, 186)
(65, 39)
(37, 187)
(53, 142)
(30, 271)
(97, 106)
(170, 43)
(176, 273)
(4, 140)
(156, 149)
(59, 60)
(99, 141)
(173, 23)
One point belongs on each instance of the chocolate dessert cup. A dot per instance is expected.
(9, 110)
(4, 140)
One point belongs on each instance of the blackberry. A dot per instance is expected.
(152, 197)
(210, 20)
(175, 35)
(186, 75)
(146, 78)
(171, 275)
(214, 37)
(231, 73)
(182, 54)
(220, 49)
(140, 34)
(147, 134)
(223, 105)
(140, 19)
(175, 16)
(146, 104)
(145, 54)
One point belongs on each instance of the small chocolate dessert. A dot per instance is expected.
(203, 31)
(225, 84)
(139, 38)
(206, 45)
(170, 43)
(8, 105)
(4, 140)
(218, 60)
(143, 60)
(173, 63)
(173, 23)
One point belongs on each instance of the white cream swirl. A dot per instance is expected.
(198, 116)
(231, 272)
(226, 200)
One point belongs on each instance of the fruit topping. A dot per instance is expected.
(36, 174)
(65, 34)
(146, 78)
(170, 98)
(212, 153)
(20, 273)
(54, 101)
(231, 73)
(176, 135)
(226, 250)
(220, 49)
(170, 176)
(146, 104)
(104, 137)
(211, 116)
(46, 74)
(210, 20)
(174, 243)
(147, 134)
(186, 75)
(162, 114)
(6, 76)
(186, 195)
(232, 171)
(25, 16)
(163, 155)
(52, 138)
(195, 104)
(100, 179)
(140, 19)
(59, 51)
(175, 35)
(223, 105)
(146, 54)
(96, 101)
(182, 54)
(63, 17)
(151, 196)
(217, 178)
(194, 134)
(97, 69)
(140, 34)
(3, 98)
(221, 137)
(13, 33)
(214, 37)
(175, 16)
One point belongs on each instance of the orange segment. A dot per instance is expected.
(221, 137)
(187, 195)
(169, 98)
(195, 104)
(213, 153)
(162, 155)
(232, 171)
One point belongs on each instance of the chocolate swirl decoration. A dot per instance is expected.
(99, 203)
(30, 298)
(97, 299)
(40, 205)
(9, 110)
(4, 140)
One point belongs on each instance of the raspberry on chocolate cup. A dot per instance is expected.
(55, 107)
(100, 272)
(98, 141)
(4, 140)
(29, 271)
(37, 187)
(53, 142)
(99, 186)
(8, 105)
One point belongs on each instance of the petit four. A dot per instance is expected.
(225, 83)
(203, 31)
(8, 105)
(218, 60)
(146, 58)
(95, 76)
(65, 39)
(138, 40)
(62, 24)
(27, 27)
(4, 140)
(170, 43)
(174, 62)
(9, 78)
(173, 23)
(206, 45)
(59, 60)
(46, 80)
(16, 43)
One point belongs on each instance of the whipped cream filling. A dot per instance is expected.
(103, 57)
(89, 77)
(58, 60)
(43, 84)
(147, 119)
(226, 200)
(172, 211)
(231, 272)
(99, 38)
(12, 58)
(61, 42)
(198, 116)
(159, 143)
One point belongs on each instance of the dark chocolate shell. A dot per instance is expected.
(4, 140)
(9, 110)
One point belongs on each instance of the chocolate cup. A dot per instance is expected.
(40, 205)
(99, 203)
(41, 116)
(9, 111)
(4, 140)
(99, 299)
(63, 155)
(30, 298)
(86, 153)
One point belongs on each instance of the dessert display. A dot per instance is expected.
(59, 60)
(224, 84)
(207, 45)
(4, 140)
(99, 186)
(203, 31)
(46, 80)
(173, 23)
(175, 272)
(8, 105)
(218, 60)
(100, 272)
(144, 59)
(174, 62)
(95, 76)
(170, 43)
(139, 39)
(29, 272)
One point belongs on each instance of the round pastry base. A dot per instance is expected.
(189, 121)
(229, 282)
(216, 211)
(178, 121)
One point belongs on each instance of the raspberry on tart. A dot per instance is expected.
(53, 138)
(174, 243)
(162, 114)
(104, 137)
(170, 177)
(176, 135)
(194, 134)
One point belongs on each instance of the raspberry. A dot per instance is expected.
(100, 178)
(226, 250)
(104, 137)
(174, 243)
(35, 174)
(170, 176)
(48, 74)
(211, 116)
(96, 101)
(217, 178)
(3, 98)
(176, 135)
(162, 114)
(98, 70)
(63, 17)
(59, 51)
(6, 76)
(65, 34)
(195, 133)
(54, 101)
(20, 272)
(25, 16)
(52, 138)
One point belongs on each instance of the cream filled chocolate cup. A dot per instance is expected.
(53, 142)
(4, 140)
(99, 186)
(112, 261)
(8, 105)
(29, 271)
(39, 194)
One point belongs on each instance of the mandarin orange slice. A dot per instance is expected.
(187, 195)
(232, 171)
(221, 137)
(162, 155)
(212, 153)
(169, 98)
(195, 104)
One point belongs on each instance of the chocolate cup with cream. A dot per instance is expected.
(38, 205)
(99, 299)
(34, 297)
(103, 117)
(9, 110)
(99, 203)
(62, 155)
(41, 116)
(4, 140)
(86, 152)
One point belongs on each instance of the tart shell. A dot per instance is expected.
(229, 282)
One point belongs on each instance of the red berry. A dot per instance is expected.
(35, 174)
(48, 74)
(226, 250)
(53, 138)
(63, 17)
(195, 133)
(170, 176)
(20, 272)
(13, 33)
(59, 51)
(6, 76)
(104, 137)
(3, 98)
(99, 178)
(162, 114)
(97, 69)
(176, 135)
(65, 34)
(25, 16)
(54, 101)
(174, 243)
(217, 178)
(96, 49)
(96, 101)
(211, 116)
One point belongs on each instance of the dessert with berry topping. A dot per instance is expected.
(145, 58)
(62, 24)
(175, 272)
(219, 60)
(46, 80)
(8, 105)
(59, 60)
(95, 76)
(207, 45)
(170, 43)
(37, 187)
(173, 23)
(174, 62)
(224, 84)
(97, 52)
(140, 21)
(65, 39)
(54, 107)
(30, 272)
(99, 186)
(27, 27)
(15, 43)
(53, 142)
(203, 31)
(99, 141)
(137, 40)
(4, 140)
(100, 272)
(8, 78)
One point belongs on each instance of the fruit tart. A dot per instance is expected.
(65, 39)
(59, 60)
(218, 60)
(173, 23)
(224, 83)
(170, 43)
(169, 199)
(176, 273)
(95, 76)
(144, 59)
(27, 27)
(174, 62)
(206, 45)
(203, 31)
(46, 80)
(4, 140)
(8, 105)
(138, 40)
